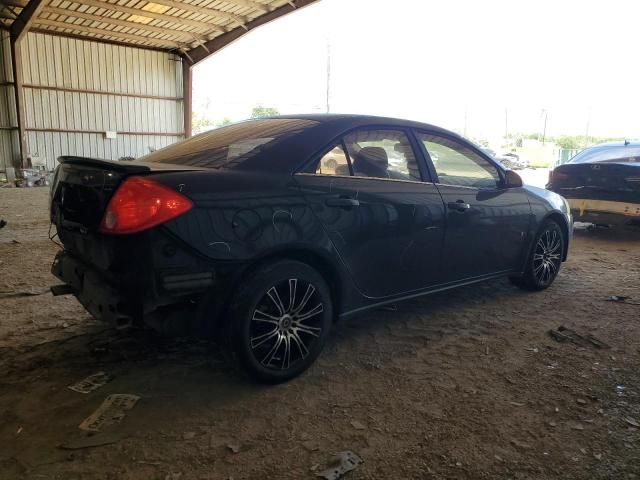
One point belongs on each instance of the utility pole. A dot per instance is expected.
(465, 122)
(586, 133)
(544, 128)
(506, 125)
(328, 76)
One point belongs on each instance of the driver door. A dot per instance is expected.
(486, 224)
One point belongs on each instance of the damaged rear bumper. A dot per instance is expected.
(603, 211)
(110, 300)
(99, 298)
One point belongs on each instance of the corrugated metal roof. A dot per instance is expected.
(182, 25)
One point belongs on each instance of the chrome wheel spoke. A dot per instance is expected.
(304, 351)
(315, 331)
(275, 298)
(260, 339)
(293, 284)
(537, 256)
(268, 358)
(538, 268)
(305, 299)
(311, 313)
(286, 357)
(260, 316)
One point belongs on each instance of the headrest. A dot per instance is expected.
(372, 161)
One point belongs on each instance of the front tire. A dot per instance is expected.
(281, 317)
(544, 260)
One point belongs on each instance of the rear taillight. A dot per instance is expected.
(555, 176)
(140, 204)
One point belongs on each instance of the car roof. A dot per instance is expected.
(608, 151)
(360, 119)
(318, 131)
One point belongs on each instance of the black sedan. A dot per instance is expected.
(272, 229)
(602, 183)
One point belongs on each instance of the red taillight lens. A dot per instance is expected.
(139, 204)
(555, 176)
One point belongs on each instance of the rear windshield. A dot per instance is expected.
(614, 154)
(232, 145)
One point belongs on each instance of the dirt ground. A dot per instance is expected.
(464, 384)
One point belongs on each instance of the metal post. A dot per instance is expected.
(187, 104)
(16, 64)
(18, 31)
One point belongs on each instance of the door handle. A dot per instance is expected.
(343, 202)
(459, 205)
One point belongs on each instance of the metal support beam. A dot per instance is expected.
(187, 89)
(16, 64)
(19, 29)
(197, 54)
(22, 24)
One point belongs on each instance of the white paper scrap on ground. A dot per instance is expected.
(110, 412)
(91, 383)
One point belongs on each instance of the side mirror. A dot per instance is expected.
(512, 179)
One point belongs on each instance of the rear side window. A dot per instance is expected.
(334, 162)
(382, 154)
(613, 154)
(232, 145)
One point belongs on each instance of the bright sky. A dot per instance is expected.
(434, 61)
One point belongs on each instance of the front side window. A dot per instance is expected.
(382, 154)
(456, 164)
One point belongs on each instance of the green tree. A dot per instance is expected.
(200, 123)
(570, 142)
(224, 122)
(261, 112)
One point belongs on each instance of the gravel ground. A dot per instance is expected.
(464, 384)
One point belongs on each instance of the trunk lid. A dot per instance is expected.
(602, 180)
(80, 193)
(82, 188)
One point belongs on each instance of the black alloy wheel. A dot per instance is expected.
(544, 260)
(280, 320)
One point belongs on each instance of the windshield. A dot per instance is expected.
(232, 145)
(611, 154)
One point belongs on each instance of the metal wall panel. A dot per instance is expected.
(96, 87)
(9, 148)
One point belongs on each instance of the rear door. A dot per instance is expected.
(486, 224)
(385, 222)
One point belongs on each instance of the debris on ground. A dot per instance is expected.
(358, 425)
(26, 293)
(91, 383)
(564, 334)
(311, 445)
(234, 447)
(632, 422)
(616, 298)
(343, 462)
(620, 299)
(92, 441)
(111, 411)
(2, 223)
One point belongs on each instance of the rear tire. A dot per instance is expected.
(544, 260)
(280, 319)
